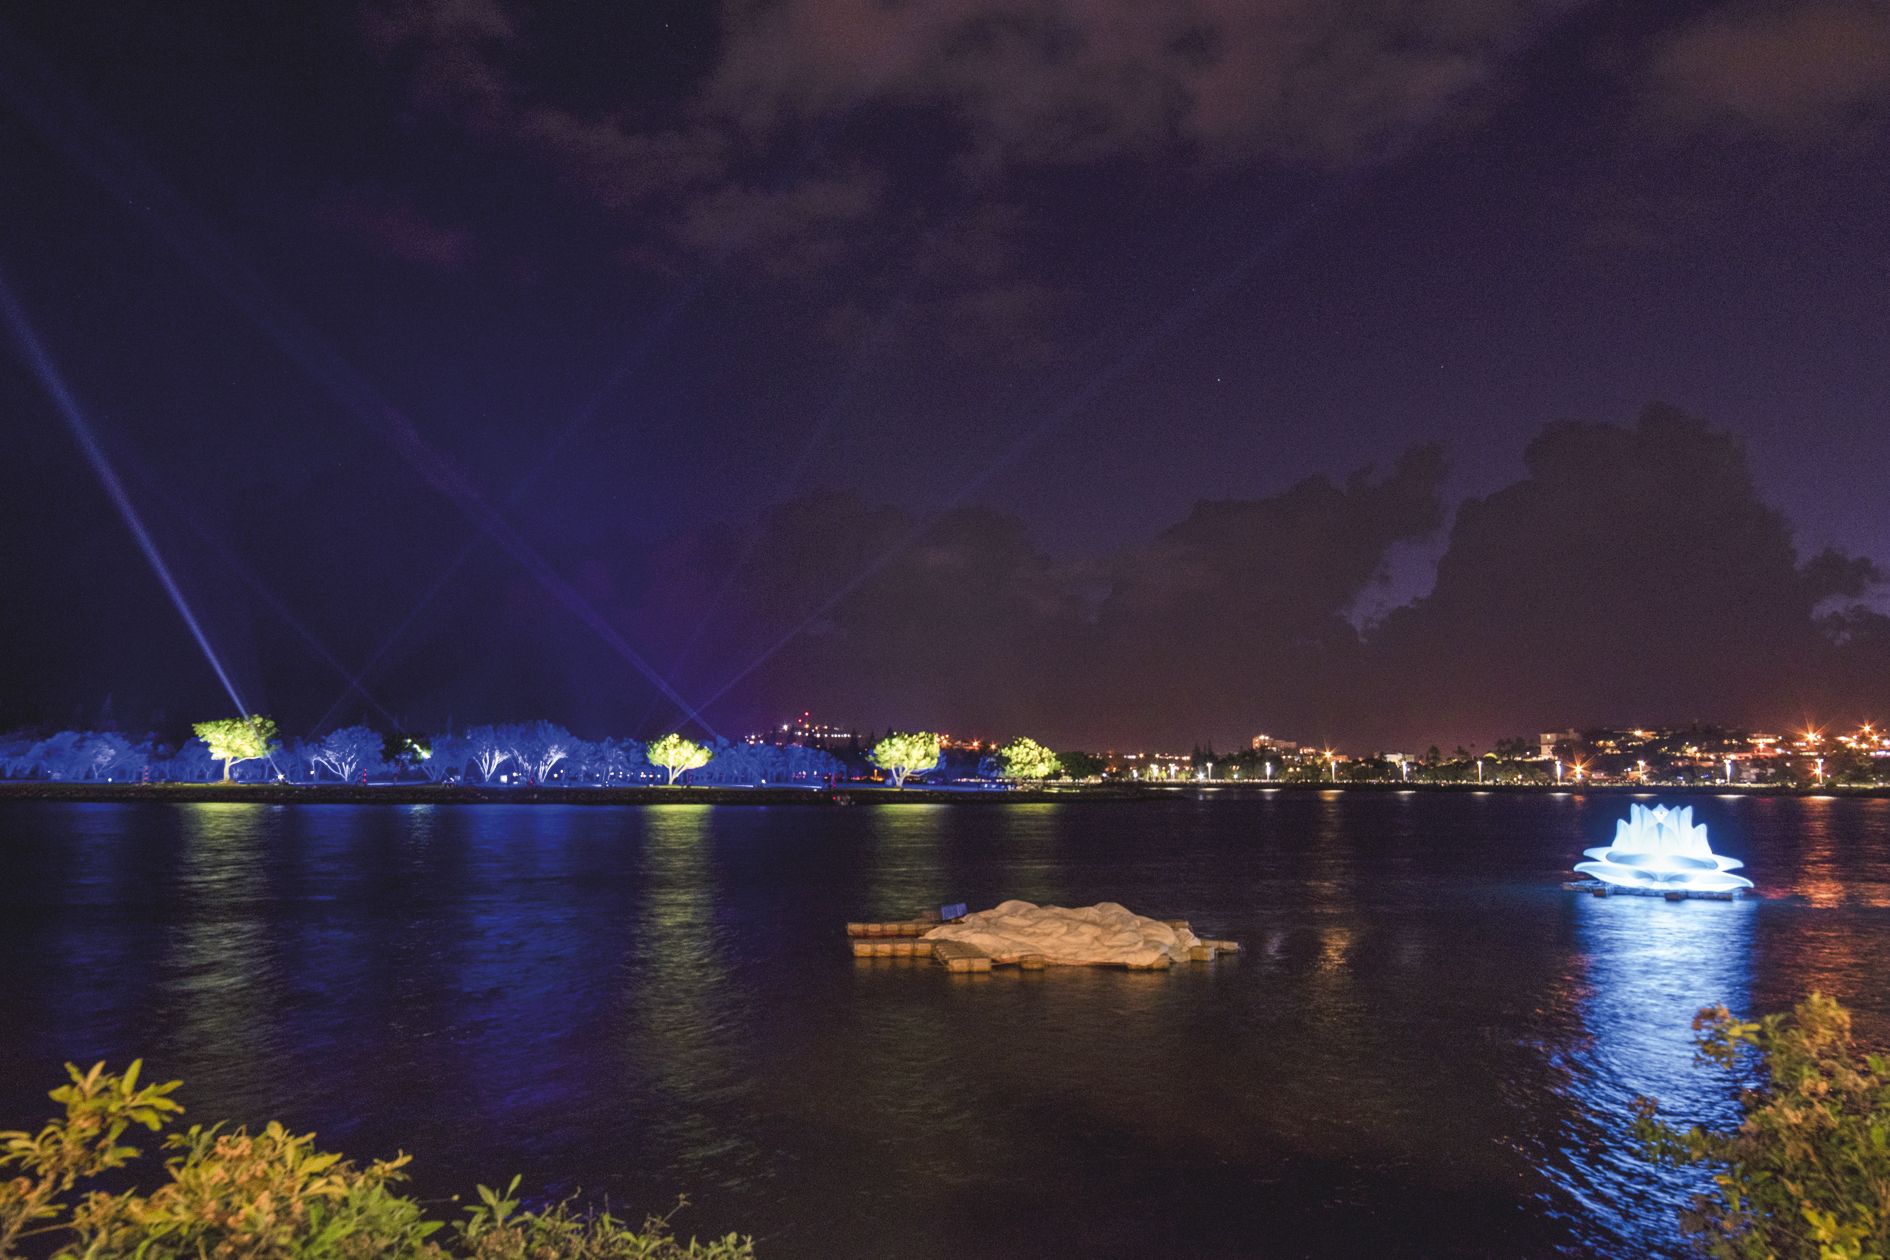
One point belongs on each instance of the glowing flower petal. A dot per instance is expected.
(1663, 849)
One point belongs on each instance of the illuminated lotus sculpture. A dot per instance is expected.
(1663, 850)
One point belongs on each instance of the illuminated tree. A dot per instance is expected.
(804, 763)
(445, 757)
(193, 763)
(1025, 758)
(348, 751)
(296, 759)
(79, 754)
(734, 763)
(106, 751)
(236, 740)
(676, 754)
(902, 755)
(538, 747)
(488, 750)
(401, 752)
(607, 761)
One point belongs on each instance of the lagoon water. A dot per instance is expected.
(1428, 1048)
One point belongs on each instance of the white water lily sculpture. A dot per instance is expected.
(1663, 849)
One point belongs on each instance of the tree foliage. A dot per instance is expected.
(1025, 758)
(1807, 1171)
(349, 751)
(538, 747)
(75, 755)
(900, 755)
(236, 740)
(675, 754)
(489, 749)
(267, 1195)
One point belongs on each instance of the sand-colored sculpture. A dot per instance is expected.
(1105, 934)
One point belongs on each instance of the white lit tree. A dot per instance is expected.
(900, 755)
(676, 754)
(488, 750)
(538, 747)
(348, 751)
(446, 757)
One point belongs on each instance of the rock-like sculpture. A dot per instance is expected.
(1662, 850)
(1104, 934)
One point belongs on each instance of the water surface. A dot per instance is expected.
(1428, 1047)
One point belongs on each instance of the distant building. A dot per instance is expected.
(804, 730)
(1552, 743)
(1146, 765)
(950, 741)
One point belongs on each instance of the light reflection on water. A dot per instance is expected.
(1427, 1048)
(1649, 966)
(220, 970)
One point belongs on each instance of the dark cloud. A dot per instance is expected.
(972, 620)
(1242, 607)
(960, 291)
(1799, 68)
(1635, 575)
(394, 227)
(1035, 82)
(795, 230)
(992, 88)
(1232, 617)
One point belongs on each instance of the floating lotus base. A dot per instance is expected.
(1662, 852)
(1602, 889)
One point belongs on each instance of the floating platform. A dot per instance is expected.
(901, 938)
(901, 927)
(1598, 888)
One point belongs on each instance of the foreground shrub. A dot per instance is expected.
(1807, 1171)
(269, 1195)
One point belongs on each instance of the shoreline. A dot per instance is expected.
(851, 794)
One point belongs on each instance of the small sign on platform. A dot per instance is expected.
(956, 910)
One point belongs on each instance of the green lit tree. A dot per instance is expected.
(236, 740)
(901, 755)
(676, 754)
(404, 752)
(1025, 758)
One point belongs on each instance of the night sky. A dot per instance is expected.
(1123, 374)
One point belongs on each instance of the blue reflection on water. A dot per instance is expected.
(1651, 965)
